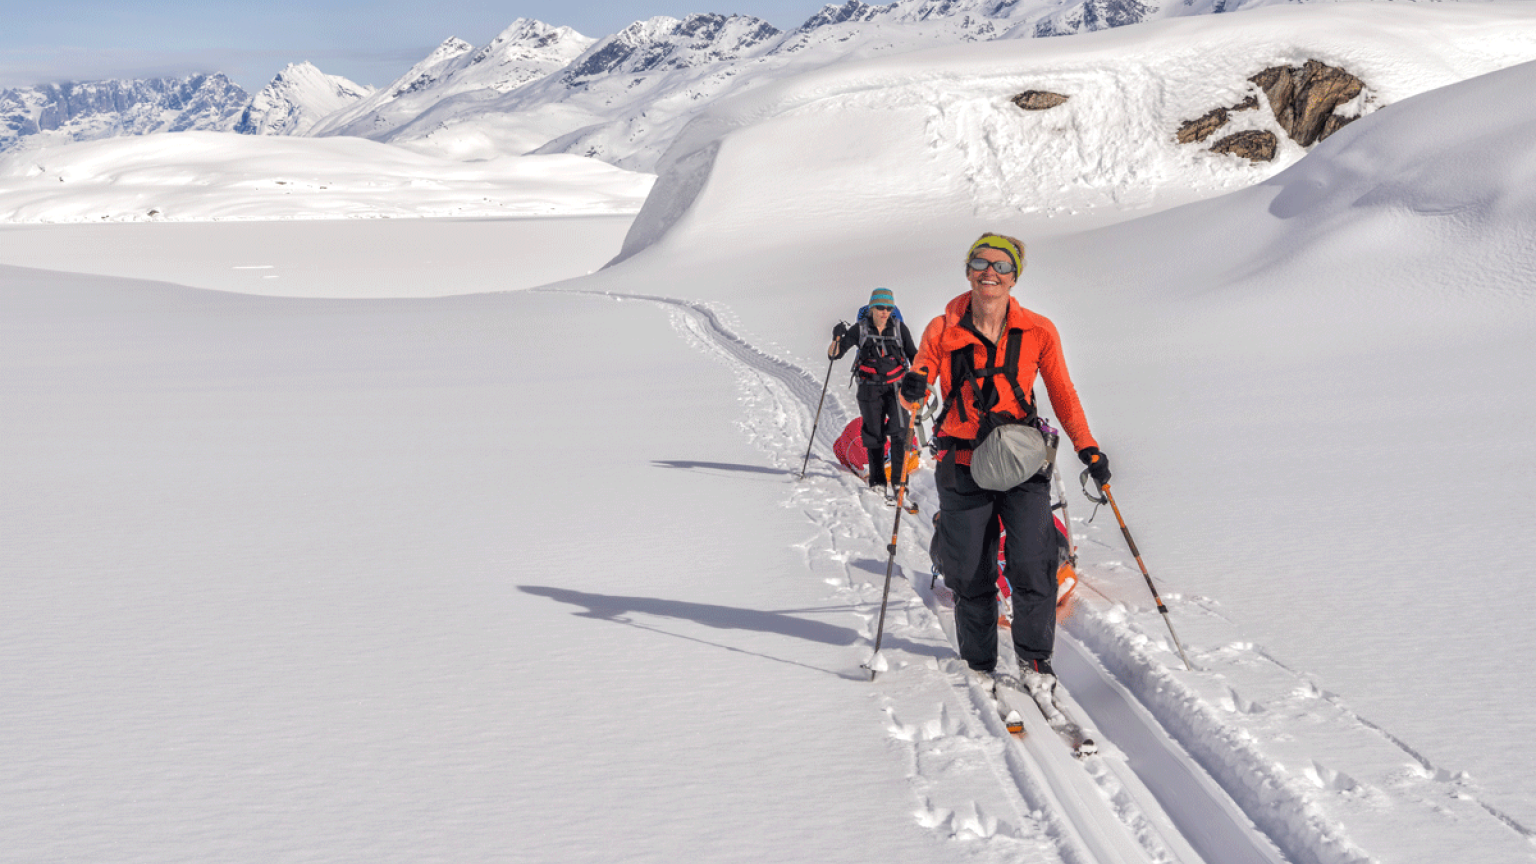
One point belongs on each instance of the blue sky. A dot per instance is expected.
(369, 42)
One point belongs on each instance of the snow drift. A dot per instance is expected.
(935, 132)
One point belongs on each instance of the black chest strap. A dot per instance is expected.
(962, 368)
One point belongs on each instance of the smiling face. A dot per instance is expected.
(988, 283)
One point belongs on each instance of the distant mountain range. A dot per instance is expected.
(59, 113)
(542, 89)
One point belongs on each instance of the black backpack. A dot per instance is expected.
(881, 358)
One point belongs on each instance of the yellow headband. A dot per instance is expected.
(992, 241)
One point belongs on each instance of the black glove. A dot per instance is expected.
(1098, 464)
(914, 386)
(839, 332)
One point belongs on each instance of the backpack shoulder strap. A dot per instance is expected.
(1011, 373)
(962, 367)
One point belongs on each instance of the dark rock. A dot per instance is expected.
(1038, 100)
(1202, 128)
(1304, 98)
(1253, 145)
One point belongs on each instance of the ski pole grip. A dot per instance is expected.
(1100, 498)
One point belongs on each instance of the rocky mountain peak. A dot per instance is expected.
(432, 69)
(525, 51)
(669, 43)
(92, 110)
(296, 98)
(853, 10)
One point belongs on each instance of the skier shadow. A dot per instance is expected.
(869, 566)
(619, 609)
(717, 466)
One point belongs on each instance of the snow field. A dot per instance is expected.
(282, 587)
(1090, 811)
(1258, 390)
(400, 258)
(202, 176)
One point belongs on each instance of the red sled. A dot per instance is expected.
(850, 451)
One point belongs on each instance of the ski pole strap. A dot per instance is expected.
(1100, 499)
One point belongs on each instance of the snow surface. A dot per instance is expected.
(202, 176)
(527, 576)
(357, 258)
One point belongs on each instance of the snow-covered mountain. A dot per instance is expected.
(628, 95)
(296, 99)
(524, 52)
(52, 114)
(32, 117)
(541, 89)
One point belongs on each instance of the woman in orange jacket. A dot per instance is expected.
(985, 352)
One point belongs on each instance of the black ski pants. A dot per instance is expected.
(965, 552)
(884, 420)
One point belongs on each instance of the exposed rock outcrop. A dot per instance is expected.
(1197, 130)
(1038, 100)
(1255, 145)
(1194, 131)
(1305, 98)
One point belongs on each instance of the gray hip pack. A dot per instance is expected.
(1011, 454)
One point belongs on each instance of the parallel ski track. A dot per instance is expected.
(1144, 768)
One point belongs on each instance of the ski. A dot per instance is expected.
(1057, 716)
(991, 687)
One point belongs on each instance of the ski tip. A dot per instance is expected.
(1087, 748)
(1015, 723)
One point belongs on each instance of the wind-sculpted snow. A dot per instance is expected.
(937, 130)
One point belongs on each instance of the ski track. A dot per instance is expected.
(1184, 770)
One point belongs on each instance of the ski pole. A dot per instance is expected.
(807, 460)
(1066, 520)
(890, 564)
(1108, 497)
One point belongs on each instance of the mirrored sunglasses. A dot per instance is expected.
(1003, 267)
